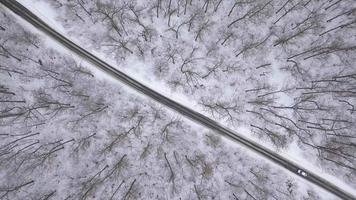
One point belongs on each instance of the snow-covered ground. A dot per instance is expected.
(142, 70)
(78, 136)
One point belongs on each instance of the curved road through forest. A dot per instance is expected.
(26, 14)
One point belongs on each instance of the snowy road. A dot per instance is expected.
(197, 117)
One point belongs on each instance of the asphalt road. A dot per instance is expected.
(27, 15)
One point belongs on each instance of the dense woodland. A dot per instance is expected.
(66, 134)
(285, 69)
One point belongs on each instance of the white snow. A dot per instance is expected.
(294, 153)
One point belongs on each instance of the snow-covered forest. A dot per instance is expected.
(67, 135)
(283, 70)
